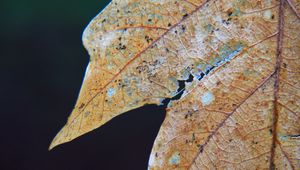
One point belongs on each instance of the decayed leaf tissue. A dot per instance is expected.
(239, 64)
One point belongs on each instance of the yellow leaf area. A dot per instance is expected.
(241, 108)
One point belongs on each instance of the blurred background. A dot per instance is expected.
(42, 66)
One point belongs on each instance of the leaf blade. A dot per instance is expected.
(125, 40)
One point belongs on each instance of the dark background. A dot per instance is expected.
(42, 66)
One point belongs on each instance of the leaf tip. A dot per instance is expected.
(54, 143)
(51, 146)
(58, 139)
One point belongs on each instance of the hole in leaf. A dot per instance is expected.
(180, 90)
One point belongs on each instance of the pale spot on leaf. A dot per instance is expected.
(175, 158)
(111, 92)
(105, 41)
(268, 14)
(207, 98)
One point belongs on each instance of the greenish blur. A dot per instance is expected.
(45, 35)
(19, 13)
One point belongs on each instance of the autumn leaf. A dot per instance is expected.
(229, 71)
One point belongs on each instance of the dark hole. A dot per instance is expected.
(180, 90)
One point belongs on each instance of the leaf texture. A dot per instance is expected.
(240, 110)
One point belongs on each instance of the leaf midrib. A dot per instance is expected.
(276, 89)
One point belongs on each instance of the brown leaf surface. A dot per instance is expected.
(240, 111)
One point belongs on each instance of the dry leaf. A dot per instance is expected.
(239, 63)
